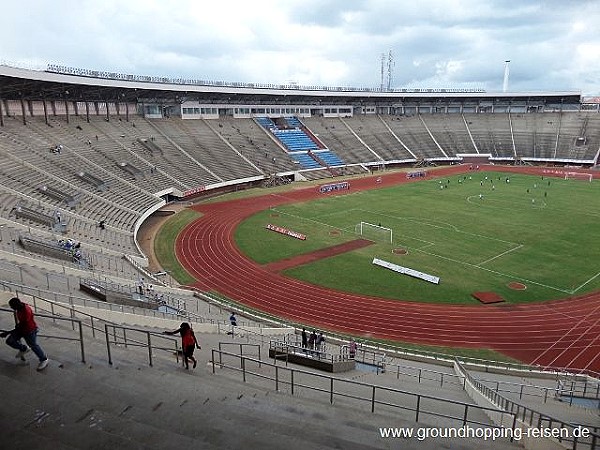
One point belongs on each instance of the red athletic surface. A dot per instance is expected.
(298, 260)
(560, 333)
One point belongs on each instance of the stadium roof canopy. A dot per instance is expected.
(85, 85)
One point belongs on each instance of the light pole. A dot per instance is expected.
(506, 73)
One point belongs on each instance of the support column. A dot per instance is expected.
(107, 113)
(23, 111)
(1, 114)
(67, 109)
(45, 111)
(87, 112)
(126, 111)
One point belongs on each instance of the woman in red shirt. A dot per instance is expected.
(188, 342)
(25, 328)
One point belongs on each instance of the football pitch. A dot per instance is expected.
(479, 231)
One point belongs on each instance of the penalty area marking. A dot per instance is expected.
(480, 201)
(588, 281)
(501, 254)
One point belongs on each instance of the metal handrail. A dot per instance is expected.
(128, 341)
(59, 318)
(333, 382)
(321, 354)
(532, 417)
(442, 377)
(241, 346)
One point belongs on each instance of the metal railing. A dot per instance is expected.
(442, 378)
(75, 325)
(377, 397)
(283, 349)
(536, 419)
(241, 347)
(66, 70)
(120, 335)
(579, 388)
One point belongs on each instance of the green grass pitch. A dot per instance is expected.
(475, 231)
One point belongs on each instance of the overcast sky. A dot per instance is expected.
(552, 44)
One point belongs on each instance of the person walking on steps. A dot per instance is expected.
(188, 343)
(27, 329)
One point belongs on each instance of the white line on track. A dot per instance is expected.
(576, 326)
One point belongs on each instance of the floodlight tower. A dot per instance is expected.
(506, 73)
(390, 69)
(382, 71)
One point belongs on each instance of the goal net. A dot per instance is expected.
(374, 232)
(578, 176)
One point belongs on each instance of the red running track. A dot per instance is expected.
(559, 333)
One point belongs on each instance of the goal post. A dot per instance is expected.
(374, 232)
(579, 176)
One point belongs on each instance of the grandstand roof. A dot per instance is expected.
(76, 84)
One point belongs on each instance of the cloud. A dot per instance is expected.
(552, 44)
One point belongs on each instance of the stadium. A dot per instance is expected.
(448, 232)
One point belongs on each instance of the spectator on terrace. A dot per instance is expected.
(312, 340)
(321, 342)
(352, 348)
(140, 286)
(102, 225)
(304, 338)
(233, 322)
(27, 329)
(188, 343)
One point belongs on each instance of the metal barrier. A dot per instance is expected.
(520, 389)
(578, 388)
(537, 419)
(241, 347)
(285, 348)
(115, 338)
(379, 395)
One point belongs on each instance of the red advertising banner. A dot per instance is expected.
(285, 231)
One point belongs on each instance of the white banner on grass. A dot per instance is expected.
(406, 271)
